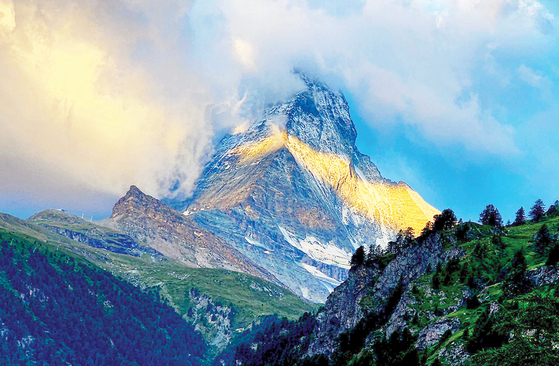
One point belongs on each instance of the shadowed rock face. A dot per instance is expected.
(294, 194)
(176, 236)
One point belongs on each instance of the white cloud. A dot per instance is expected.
(412, 59)
(110, 93)
(537, 81)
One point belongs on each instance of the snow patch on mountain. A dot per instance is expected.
(325, 253)
(321, 276)
(256, 243)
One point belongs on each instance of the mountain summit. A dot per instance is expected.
(294, 194)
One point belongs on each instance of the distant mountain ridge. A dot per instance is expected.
(294, 194)
(176, 236)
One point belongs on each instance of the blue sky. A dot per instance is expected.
(458, 98)
(522, 94)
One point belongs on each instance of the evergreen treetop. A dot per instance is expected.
(520, 217)
(491, 216)
(537, 211)
(358, 257)
(445, 220)
(543, 240)
(517, 282)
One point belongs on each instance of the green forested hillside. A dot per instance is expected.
(220, 303)
(58, 309)
(494, 301)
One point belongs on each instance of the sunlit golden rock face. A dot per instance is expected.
(396, 206)
(254, 150)
(294, 194)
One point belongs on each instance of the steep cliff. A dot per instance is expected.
(294, 194)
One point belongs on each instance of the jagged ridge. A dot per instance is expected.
(294, 193)
(178, 237)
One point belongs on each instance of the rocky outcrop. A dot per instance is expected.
(456, 355)
(343, 309)
(544, 275)
(86, 232)
(367, 291)
(401, 315)
(432, 333)
(176, 236)
(212, 319)
(122, 244)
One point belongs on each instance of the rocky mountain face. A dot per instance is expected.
(368, 289)
(294, 194)
(176, 236)
(212, 319)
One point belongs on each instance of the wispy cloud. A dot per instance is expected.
(104, 94)
(537, 81)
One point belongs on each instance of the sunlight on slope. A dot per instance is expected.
(254, 150)
(393, 205)
(74, 107)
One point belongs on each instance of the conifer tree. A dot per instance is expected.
(543, 240)
(491, 216)
(358, 257)
(497, 241)
(517, 282)
(445, 220)
(520, 217)
(553, 210)
(537, 211)
(464, 273)
(404, 239)
(373, 256)
(427, 230)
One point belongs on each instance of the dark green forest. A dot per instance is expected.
(58, 309)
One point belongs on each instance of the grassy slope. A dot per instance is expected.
(251, 297)
(489, 265)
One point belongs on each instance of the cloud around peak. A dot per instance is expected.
(106, 94)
